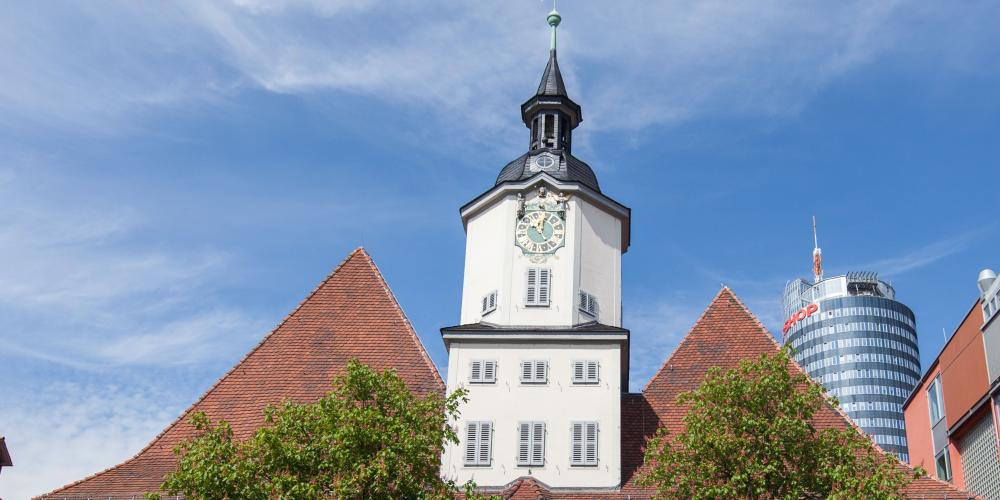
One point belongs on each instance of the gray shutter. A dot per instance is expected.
(590, 453)
(531, 295)
(537, 443)
(477, 371)
(576, 440)
(544, 278)
(489, 371)
(470, 442)
(578, 371)
(524, 443)
(485, 442)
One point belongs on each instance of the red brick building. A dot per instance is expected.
(353, 314)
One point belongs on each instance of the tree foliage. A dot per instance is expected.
(370, 437)
(749, 433)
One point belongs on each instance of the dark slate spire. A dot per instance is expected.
(551, 116)
(552, 81)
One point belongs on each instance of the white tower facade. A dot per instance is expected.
(540, 346)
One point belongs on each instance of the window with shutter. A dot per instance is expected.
(586, 372)
(531, 444)
(537, 291)
(583, 443)
(478, 443)
(534, 372)
(489, 303)
(588, 303)
(482, 371)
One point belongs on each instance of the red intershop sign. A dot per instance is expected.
(799, 315)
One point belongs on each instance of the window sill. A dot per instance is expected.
(536, 305)
(595, 383)
(534, 383)
(584, 466)
(473, 466)
(482, 382)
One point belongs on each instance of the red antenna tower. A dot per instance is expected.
(817, 256)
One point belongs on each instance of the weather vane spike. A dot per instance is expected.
(817, 256)
(554, 20)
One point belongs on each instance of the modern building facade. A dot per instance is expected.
(851, 335)
(952, 415)
(989, 290)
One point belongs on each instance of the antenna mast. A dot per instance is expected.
(817, 256)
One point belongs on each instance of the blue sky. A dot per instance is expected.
(175, 178)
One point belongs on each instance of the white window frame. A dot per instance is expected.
(583, 451)
(588, 304)
(938, 397)
(482, 365)
(589, 371)
(478, 444)
(538, 287)
(536, 367)
(489, 303)
(531, 444)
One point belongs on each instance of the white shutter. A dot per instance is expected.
(524, 444)
(485, 442)
(489, 371)
(592, 371)
(540, 371)
(583, 300)
(526, 371)
(592, 304)
(471, 442)
(590, 449)
(477, 372)
(576, 447)
(537, 443)
(493, 300)
(484, 304)
(531, 295)
(544, 277)
(578, 371)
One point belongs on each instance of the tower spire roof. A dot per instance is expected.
(552, 81)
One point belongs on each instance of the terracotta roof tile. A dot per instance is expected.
(351, 314)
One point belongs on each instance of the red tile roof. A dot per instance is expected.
(351, 314)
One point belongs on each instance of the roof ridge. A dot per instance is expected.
(402, 315)
(687, 336)
(224, 376)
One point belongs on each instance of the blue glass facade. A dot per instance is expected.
(861, 344)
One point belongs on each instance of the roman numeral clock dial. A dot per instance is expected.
(540, 232)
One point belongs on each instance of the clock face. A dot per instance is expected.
(540, 231)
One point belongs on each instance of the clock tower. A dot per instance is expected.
(540, 345)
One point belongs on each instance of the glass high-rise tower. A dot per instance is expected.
(851, 335)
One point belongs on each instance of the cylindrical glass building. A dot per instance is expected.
(851, 335)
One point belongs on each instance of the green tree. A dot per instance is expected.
(749, 433)
(370, 437)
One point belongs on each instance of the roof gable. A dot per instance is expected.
(351, 314)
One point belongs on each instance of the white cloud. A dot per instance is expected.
(83, 291)
(923, 256)
(631, 64)
(66, 431)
